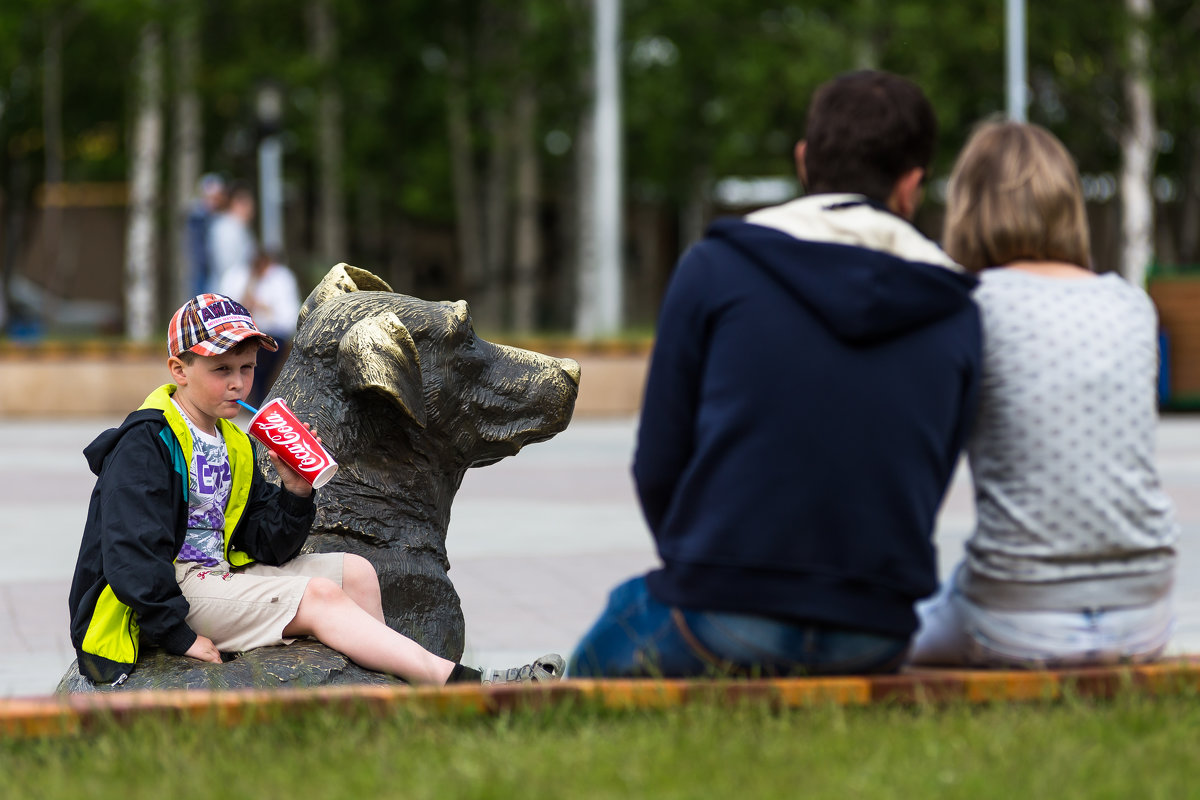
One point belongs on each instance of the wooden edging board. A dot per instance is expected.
(69, 715)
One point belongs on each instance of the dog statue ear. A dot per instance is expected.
(341, 279)
(379, 355)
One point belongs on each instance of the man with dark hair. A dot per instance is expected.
(865, 131)
(812, 384)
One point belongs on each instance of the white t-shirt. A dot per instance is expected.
(209, 482)
(273, 299)
(230, 245)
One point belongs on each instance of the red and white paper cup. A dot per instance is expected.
(277, 427)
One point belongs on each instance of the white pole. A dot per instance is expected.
(1138, 151)
(1018, 101)
(600, 285)
(270, 179)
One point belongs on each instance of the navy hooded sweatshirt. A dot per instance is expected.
(804, 413)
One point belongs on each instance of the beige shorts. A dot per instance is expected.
(247, 607)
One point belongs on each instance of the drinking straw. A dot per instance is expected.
(248, 407)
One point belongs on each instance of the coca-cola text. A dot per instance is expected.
(278, 430)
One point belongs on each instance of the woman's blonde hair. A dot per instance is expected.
(1015, 195)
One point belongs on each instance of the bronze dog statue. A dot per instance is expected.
(406, 397)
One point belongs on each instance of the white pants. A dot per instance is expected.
(958, 632)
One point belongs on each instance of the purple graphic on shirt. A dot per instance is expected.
(206, 517)
(210, 477)
(209, 486)
(190, 553)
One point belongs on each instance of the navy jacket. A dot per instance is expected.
(804, 412)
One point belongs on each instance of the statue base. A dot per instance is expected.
(306, 663)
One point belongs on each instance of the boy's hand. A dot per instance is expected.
(291, 479)
(203, 649)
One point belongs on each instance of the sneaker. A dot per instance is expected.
(549, 667)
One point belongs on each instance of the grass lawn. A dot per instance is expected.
(1133, 746)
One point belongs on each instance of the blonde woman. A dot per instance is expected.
(1073, 555)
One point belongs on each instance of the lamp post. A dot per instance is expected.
(600, 286)
(268, 108)
(1018, 101)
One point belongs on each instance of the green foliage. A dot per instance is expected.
(1176, 62)
(711, 89)
(726, 85)
(720, 86)
(1133, 746)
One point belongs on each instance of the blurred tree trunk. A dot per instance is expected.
(584, 218)
(527, 245)
(697, 207)
(141, 240)
(503, 29)
(187, 146)
(585, 210)
(52, 80)
(331, 220)
(653, 255)
(369, 227)
(478, 78)
(16, 217)
(497, 218)
(468, 227)
(402, 273)
(52, 175)
(1189, 235)
(1137, 150)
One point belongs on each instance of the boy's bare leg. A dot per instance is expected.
(330, 615)
(362, 584)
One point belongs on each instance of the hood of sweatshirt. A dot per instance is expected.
(157, 407)
(102, 445)
(864, 272)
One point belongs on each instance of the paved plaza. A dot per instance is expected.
(535, 541)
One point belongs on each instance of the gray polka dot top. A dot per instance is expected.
(1062, 454)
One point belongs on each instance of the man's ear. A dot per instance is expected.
(906, 193)
(801, 172)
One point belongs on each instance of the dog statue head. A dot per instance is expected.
(407, 398)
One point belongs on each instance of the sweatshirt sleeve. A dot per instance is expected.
(667, 426)
(276, 523)
(139, 518)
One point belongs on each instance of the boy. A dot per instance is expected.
(187, 543)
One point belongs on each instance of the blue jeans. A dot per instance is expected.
(956, 631)
(637, 636)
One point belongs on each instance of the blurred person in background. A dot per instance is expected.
(231, 242)
(268, 289)
(213, 196)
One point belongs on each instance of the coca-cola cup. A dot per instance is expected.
(277, 427)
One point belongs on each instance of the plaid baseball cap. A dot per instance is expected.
(212, 324)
